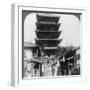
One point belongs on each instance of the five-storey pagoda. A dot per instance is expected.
(47, 32)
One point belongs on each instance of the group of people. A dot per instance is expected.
(52, 66)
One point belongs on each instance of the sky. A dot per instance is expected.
(70, 27)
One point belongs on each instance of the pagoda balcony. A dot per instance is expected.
(47, 18)
(47, 34)
(47, 26)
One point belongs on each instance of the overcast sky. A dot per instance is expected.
(70, 27)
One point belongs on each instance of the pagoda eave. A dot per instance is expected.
(48, 42)
(50, 18)
(41, 26)
(47, 34)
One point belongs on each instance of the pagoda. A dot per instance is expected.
(47, 32)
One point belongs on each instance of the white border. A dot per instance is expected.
(17, 47)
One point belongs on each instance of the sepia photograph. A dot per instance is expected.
(51, 44)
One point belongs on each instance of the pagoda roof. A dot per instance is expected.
(37, 30)
(47, 23)
(29, 45)
(48, 17)
(46, 26)
(48, 39)
(47, 34)
(50, 48)
(48, 42)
